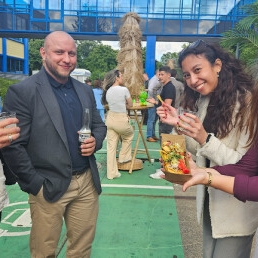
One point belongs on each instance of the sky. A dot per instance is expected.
(161, 47)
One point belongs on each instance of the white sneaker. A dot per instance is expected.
(157, 174)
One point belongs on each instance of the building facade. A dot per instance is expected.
(161, 20)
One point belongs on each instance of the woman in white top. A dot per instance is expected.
(119, 100)
(7, 135)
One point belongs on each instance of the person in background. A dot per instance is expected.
(168, 95)
(146, 84)
(146, 80)
(220, 90)
(59, 173)
(88, 81)
(98, 92)
(179, 88)
(154, 89)
(8, 134)
(118, 125)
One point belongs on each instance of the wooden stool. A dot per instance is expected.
(137, 165)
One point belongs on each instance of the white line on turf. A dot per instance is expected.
(139, 186)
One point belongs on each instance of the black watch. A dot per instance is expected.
(208, 137)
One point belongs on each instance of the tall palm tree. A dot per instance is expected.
(243, 39)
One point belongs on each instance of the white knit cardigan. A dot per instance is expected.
(229, 216)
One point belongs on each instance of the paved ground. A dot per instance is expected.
(139, 217)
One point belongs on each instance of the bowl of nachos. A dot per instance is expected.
(175, 162)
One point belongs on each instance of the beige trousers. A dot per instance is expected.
(79, 208)
(118, 127)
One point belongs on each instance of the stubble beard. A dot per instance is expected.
(60, 77)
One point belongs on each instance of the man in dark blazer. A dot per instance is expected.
(59, 174)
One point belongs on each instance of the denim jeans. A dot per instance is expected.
(151, 122)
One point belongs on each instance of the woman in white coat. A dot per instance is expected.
(219, 90)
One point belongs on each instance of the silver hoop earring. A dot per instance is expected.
(218, 74)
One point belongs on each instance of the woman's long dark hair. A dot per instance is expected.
(252, 117)
(234, 85)
(109, 80)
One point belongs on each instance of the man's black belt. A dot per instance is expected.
(79, 172)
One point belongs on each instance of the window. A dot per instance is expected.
(15, 65)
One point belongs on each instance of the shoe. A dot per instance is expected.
(155, 138)
(117, 176)
(157, 174)
(150, 139)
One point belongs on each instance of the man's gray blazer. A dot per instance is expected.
(41, 155)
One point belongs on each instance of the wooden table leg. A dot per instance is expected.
(140, 135)
(137, 143)
(143, 139)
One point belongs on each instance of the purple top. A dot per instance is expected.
(245, 172)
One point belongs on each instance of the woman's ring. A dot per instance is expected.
(10, 138)
(180, 129)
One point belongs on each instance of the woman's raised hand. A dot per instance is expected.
(167, 114)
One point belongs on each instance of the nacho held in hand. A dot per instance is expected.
(173, 156)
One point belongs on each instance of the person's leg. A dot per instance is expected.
(164, 128)
(209, 242)
(127, 133)
(233, 247)
(112, 142)
(229, 247)
(154, 125)
(81, 216)
(150, 122)
(47, 220)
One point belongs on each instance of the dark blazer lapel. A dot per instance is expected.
(51, 105)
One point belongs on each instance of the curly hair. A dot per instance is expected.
(234, 85)
(109, 80)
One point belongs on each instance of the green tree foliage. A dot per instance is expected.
(84, 47)
(5, 83)
(244, 37)
(91, 55)
(100, 60)
(35, 62)
(169, 56)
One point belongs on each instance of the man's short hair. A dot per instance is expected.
(165, 69)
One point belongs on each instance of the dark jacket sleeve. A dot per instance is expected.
(245, 172)
(16, 155)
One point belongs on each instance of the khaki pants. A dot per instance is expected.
(79, 208)
(118, 127)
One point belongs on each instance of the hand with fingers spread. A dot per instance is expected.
(8, 133)
(167, 114)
